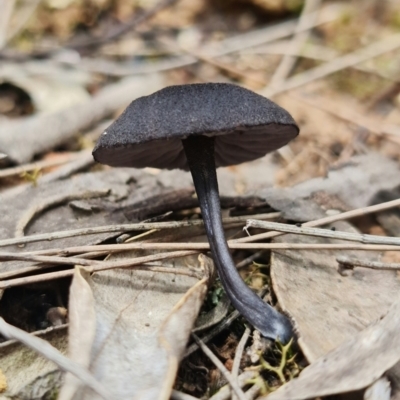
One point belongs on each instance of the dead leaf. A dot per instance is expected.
(143, 321)
(328, 308)
(355, 364)
(29, 375)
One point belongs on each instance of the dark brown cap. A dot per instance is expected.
(149, 132)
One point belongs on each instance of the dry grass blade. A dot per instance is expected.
(49, 352)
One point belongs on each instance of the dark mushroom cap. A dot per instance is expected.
(149, 132)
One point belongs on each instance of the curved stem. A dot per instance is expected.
(200, 155)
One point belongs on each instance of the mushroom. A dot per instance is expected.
(201, 127)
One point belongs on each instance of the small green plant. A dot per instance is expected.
(216, 295)
(286, 370)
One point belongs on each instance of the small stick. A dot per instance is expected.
(327, 220)
(202, 246)
(122, 228)
(16, 171)
(238, 355)
(48, 259)
(326, 233)
(225, 323)
(235, 387)
(253, 392)
(248, 260)
(175, 395)
(101, 250)
(225, 392)
(98, 267)
(49, 352)
(347, 263)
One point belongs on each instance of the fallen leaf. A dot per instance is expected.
(28, 375)
(143, 322)
(355, 364)
(328, 308)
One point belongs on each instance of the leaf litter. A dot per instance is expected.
(332, 134)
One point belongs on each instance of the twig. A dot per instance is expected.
(120, 229)
(181, 246)
(348, 60)
(300, 37)
(326, 233)
(82, 162)
(48, 259)
(51, 353)
(235, 387)
(175, 395)
(225, 323)
(238, 355)
(225, 392)
(249, 260)
(36, 209)
(327, 220)
(41, 332)
(91, 252)
(105, 265)
(350, 263)
(253, 392)
(16, 171)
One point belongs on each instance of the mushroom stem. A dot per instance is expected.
(199, 152)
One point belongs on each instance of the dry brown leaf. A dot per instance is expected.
(355, 364)
(328, 308)
(143, 323)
